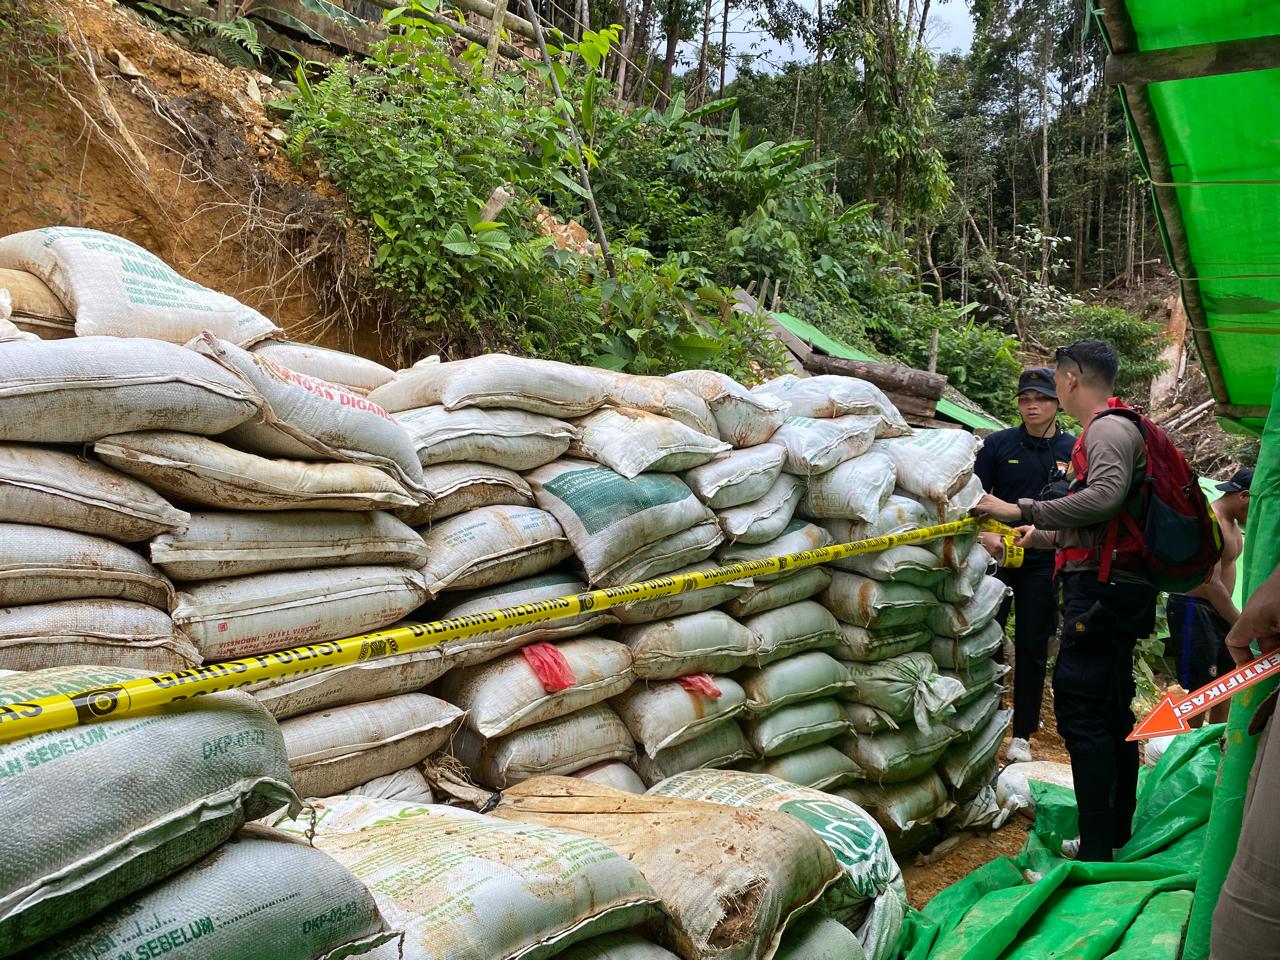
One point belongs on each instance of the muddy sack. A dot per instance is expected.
(348, 370)
(453, 488)
(118, 633)
(742, 418)
(514, 439)
(738, 477)
(491, 545)
(634, 442)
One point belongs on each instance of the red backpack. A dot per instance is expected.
(1167, 532)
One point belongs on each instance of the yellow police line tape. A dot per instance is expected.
(62, 711)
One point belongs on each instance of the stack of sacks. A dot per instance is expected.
(162, 835)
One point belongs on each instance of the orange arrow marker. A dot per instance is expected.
(1170, 716)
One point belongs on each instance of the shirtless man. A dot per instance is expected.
(1200, 619)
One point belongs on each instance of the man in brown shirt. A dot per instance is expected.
(1102, 619)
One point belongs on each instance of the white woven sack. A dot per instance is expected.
(482, 647)
(817, 446)
(469, 887)
(681, 604)
(792, 588)
(305, 905)
(906, 563)
(798, 537)
(901, 806)
(356, 373)
(961, 585)
(966, 759)
(934, 464)
(954, 551)
(118, 633)
(1013, 789)
(406, 786)
(949, 620)
(235, 544)
(869, 646)
(76, 391)
(805, 676)
(167, 788)
(554, 748)
(671, 553)
(978, 679)
(663, 713)
(742, 418)
(830, 396)
(202, 471)
(796, 727)
(792, 629)
(336, 749)
(815, 937)
(634, 442)
(898, 515)
(607, 517)
(613, 773)
(617, 946)
(491, 545)
(820, 767)
(660, 395)
(899, 755)
(9, 331)
(453, 488)
(718, 747)
(241, 616)
(707, 642)
(508, 694)
(767, 518)
(878, 606)
(56, 488)
(41, 564)
(971, 718)
(857, 489)
(115, 288)
(312, 419)
(907, 687)
(496, 381)
(959, 653)
(514, 439)
(32, 308)
(737, 477)
(982, 811)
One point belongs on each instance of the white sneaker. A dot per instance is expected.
(1019, 751)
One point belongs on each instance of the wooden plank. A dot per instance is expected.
(888, 377)
(1141, 67)
(799, 349)
(910, 406)
(345, 36)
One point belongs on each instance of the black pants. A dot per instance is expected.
(1092, 689)
(1035, 604)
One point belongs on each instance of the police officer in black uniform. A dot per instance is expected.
(1016, 463)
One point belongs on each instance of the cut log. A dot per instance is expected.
(910, 406)
(891, 378)
(1164, 387)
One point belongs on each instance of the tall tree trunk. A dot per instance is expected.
(641, 46)
(1102, 198)
(669, 62)
(1044, 155)
(795, 111)
(626, 53)
(1130, 229)
(702, 54)
(724, 48)
(817, 97)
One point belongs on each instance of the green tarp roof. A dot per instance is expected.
(1205, 120)
(838, 348)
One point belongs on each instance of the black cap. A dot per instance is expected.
(1039, 379)
(1240, 480)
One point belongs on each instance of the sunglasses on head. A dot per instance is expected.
(1063, 353)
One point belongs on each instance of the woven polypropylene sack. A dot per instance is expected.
(978, 679)
(906, 687)
(900, 755)
(827, 397)
(480, 647)
(496, 381)
(241, 616)
(469, 887)
(967, 759)
(972, 717)
(857, 489)
(77, 391)
(618, 946)
(798, 537)
(804, 676)
(738, 477)
(675, 552)
(406, 786)
(491, 545)
(664, 713)
(116, 288)
(961, 585)
(607, 517)
(333, 750)
(95, 814)
(509, 693)
(333, 366)
(706, 642)
(792, 588)
(682, 604)
(56, 488)
(312, 419)
(660, 395)
(951, 620)
(234, 544)
(1013, 789)
(902, 806)
(41, 564)
(934, 464)
(792, 629)
(795, 727)
(820, 766)
(742, 418)
(514, 439)
(868, 646)
(561, 746)
(815, 937)
(118, 633)
(613, 773)
(211, 474)
(817, 446)
(453, 488)
(633, 442)
(869, 603)
(732, 882)
(718, 747)
(766, 518)
(959, 653)
(905, 563)
(305, 904)
(866, 720)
